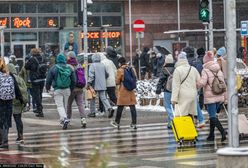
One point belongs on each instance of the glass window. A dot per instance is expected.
(112, 20)
(96, 7)
(23, 22)
(68, 21)
(45, 7)
(68, 7)
(111, 7)
(94, 21)
(4, 8)
(30, 7)
(48, 38)
(27, 36)
(17, 8)
(7, 37)
(47, 22)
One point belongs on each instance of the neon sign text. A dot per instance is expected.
(3, 22)
(96, 35)
(22, 23)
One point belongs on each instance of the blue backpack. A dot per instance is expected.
(196, 62)
(129, 81)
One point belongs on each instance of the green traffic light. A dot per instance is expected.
(204, 15)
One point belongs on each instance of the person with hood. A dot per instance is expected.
(61, 76)
(97, 80)
(222, 61)
(125, 97)
(184, 90)
(77, 92)
(210, 69)
(37, 79)
(18, 106)
(144, 62)
(163, 85)
(112, 55)
(111, 71)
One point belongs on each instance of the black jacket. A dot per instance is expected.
(112, 55)
(163, 78)
(33, 66)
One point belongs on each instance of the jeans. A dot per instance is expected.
(119, 113)
(37, 88)
(4, 134)
(212, 109)
(200, 116)
(19, 125)
(78, 96)
(105, 101)
(61, 97)
(167, 106)
(112, 97)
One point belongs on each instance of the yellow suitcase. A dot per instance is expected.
(184, 129)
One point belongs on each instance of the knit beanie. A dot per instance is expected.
(221, 51)
(169, 59)
(71, 54)
(61, 59)
(209, 56)
(182, 56)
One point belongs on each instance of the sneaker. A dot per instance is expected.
(39, 115)
(114, 124)
(133, 126)
(19, 141)
(4, 145)
(61, 123)
(92, 115)
(201, 124)
(111, 113)
(83, 122)
(66, 122)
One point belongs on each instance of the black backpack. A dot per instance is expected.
(41, 70)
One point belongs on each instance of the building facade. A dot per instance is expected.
(45, 24)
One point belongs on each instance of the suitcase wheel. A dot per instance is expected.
(180, 142)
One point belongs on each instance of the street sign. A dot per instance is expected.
(244, 28)
(139, 26)
(140, 35)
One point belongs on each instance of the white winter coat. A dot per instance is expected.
(110, 69)
(184, 94)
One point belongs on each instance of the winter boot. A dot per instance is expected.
(211, 133)
(110, 112)
(221, 129)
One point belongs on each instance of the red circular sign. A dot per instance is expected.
(139, 25)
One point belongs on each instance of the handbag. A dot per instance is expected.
(91, 94)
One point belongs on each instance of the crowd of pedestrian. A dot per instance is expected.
(113, 80)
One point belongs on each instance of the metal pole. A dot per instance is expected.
(233, 134)
(139, 34)
(206, 35)
(130, 32)
(2, 43)
(106, 38)
(178, 19)
(211, 36)
(85, 42)
(224, 8)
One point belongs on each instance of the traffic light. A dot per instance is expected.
(203, 11)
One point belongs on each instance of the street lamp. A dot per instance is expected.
(2, 40)
(106, 33)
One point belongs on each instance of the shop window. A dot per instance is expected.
(30, 7)
(27, 36)
(94, 8)
(111, 7)
(47, 22)
(48, 38)
(4, 21)
(111, 20)
(4, 8)
(17, 8)
(68, 7)
(50, 7)
(68, 21)
(94, 21)
(23, 22)
(7, 37)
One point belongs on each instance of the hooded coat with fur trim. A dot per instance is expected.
(185, 94)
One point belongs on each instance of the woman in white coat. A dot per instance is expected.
(184, 89)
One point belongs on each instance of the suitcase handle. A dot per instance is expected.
(173, 112)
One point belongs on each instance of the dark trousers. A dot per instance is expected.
(201, 99)
(19, 125)
(119, 113)
(111, 94)
(5, 119)
(37, 89)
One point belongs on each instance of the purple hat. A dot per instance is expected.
(72, 61)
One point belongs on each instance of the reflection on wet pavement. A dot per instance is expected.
(151, 144)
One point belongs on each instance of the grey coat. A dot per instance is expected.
(97, 74)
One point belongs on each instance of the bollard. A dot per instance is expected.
(232, 157)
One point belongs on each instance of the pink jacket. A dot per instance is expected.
(206, 80)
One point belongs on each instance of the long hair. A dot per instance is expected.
(3, 66)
